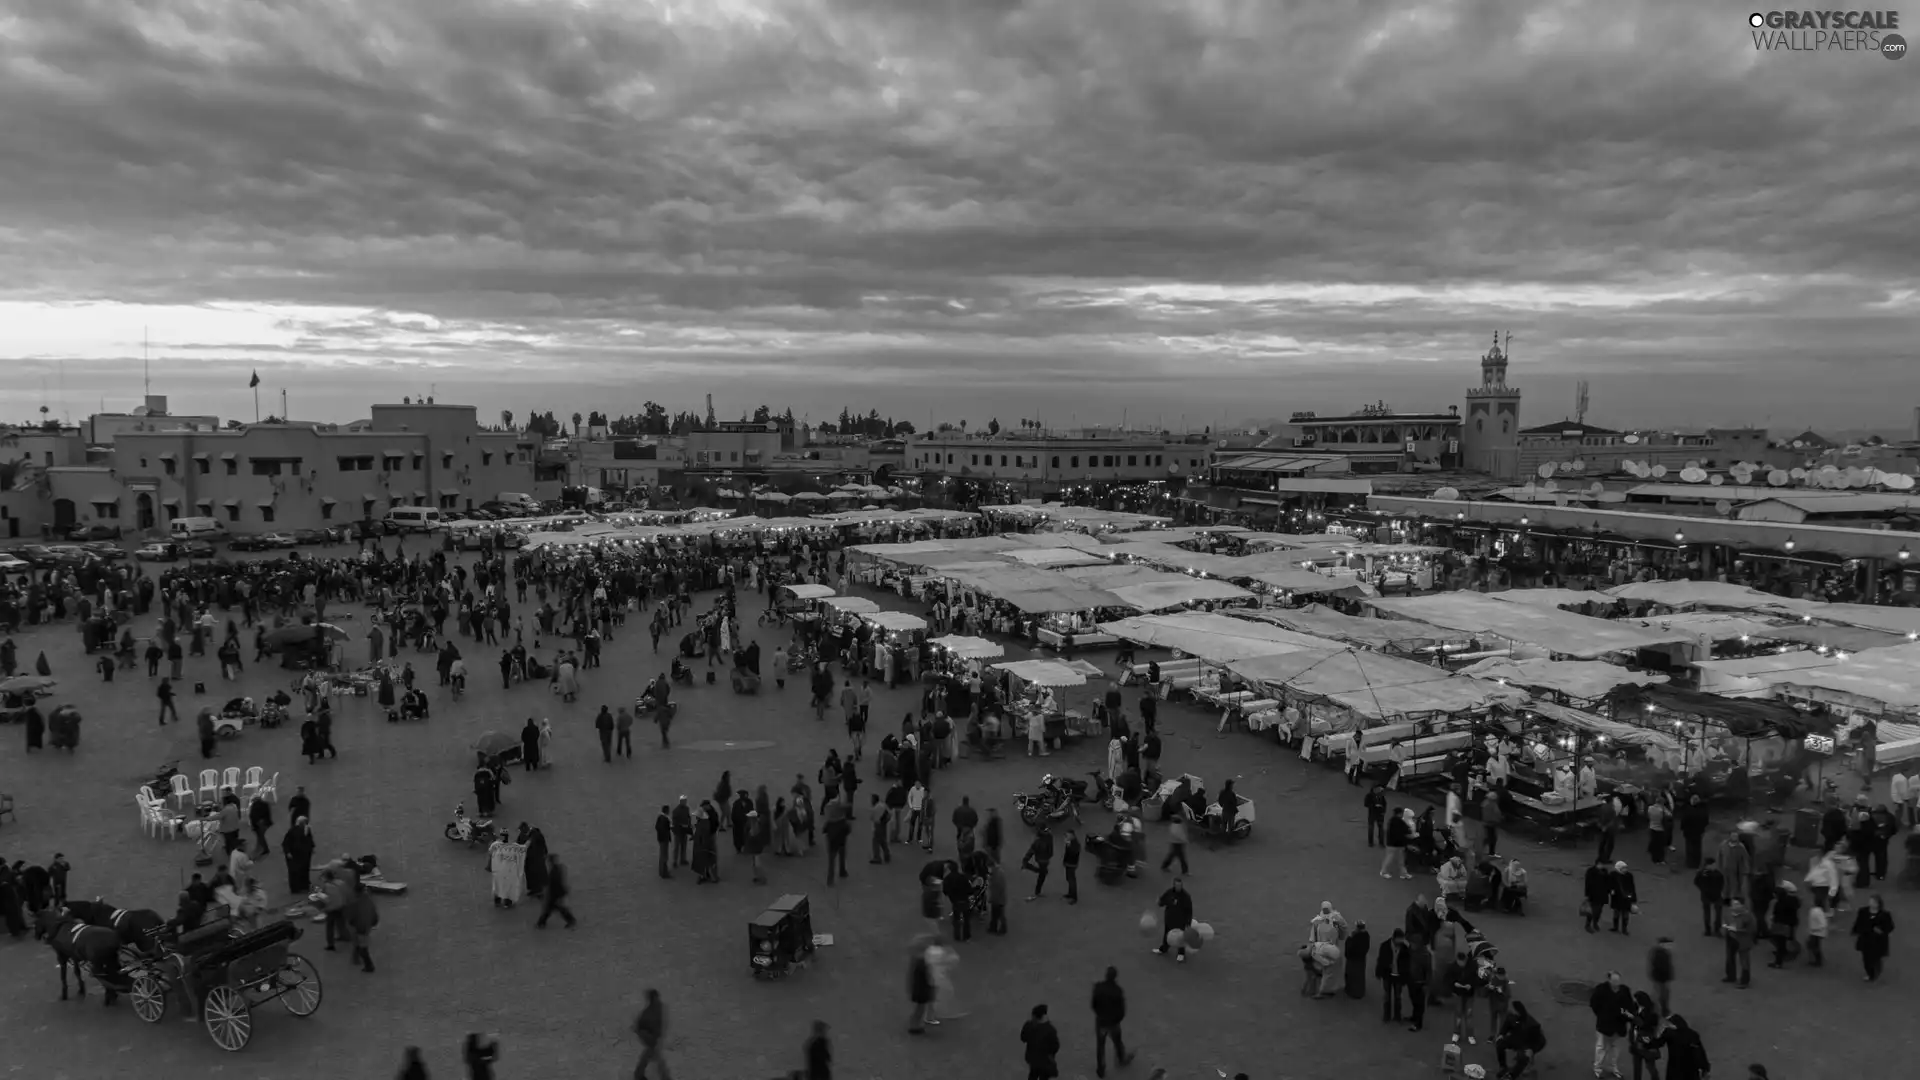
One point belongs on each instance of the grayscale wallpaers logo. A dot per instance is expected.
(1828, 31)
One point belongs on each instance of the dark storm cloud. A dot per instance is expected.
(868, 189)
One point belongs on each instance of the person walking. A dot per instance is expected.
(1070, 866)
(1376, 807)
(1622, 896)
(165, 693)
(1712, 887)
(1660, 973)
(557, 890)
(1109, 1010)
(1039, 859)
(682, 831)
(879, 814)
(1612, 1005)
(663, 833)
(479, 1054)
(1872, 936)
(997, 899)
(1043, 1045)
(920, 992)
(818, 1053)
(1390, 967)
(623, 733)
(603, 724)
(203, 725)
(1739, 931)
(1176, 845)
(837, 828)
(1784, 924)
(411, 1065)
(1398, 833)
(1176, 905)
(361, 918)
(651, 1027)
(1419, 974)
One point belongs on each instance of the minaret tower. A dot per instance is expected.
(1490, 439)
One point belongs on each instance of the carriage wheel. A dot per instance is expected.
(302, 982)
(227, 1017)
(149, 997)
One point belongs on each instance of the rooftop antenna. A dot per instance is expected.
(146, 361)
(1580, 404)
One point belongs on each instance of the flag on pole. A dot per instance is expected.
(255, 381)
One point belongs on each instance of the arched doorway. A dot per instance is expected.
(63, 515)
(144, 510)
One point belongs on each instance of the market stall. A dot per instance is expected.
(1729, 746)
(1036, 694)
(1403, 637)
(1154, 597)
(894, 641)
(1579, 683)
(1532, 631)
(956, 654)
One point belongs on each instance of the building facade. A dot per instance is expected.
(1376, 439)
(1490, 439)
(276, 476)
(742, 445)
(1049, 463)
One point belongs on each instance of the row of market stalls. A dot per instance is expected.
(720, 528)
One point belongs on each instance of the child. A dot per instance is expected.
(1712, 885)
(1499, 993)
(57, 870)
(1816, 934)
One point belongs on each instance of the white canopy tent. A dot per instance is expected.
(1582, 680)
(1152, 596)
(808, 592)
(1216, 639)
(1053, 557)
(1373, 687)
(1555, 631)
(850, 605)
(1047, 673)
(970, 648)
(1562, 599)
(896, 621)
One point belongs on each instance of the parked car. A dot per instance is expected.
(156, 552)
(279, 540)
(69, 554)
(81, 533)
(104, 549)
(313, 536)
(194, 549)
(13, 564)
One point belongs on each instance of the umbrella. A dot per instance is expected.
(332, 632)
(495, 742)
(21, 684)
(42, 666)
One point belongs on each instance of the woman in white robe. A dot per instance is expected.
(940, 964)
(506, 862)
(1329, 928)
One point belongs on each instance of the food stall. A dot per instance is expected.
(800, 601)
(1728, 746)
(956, 653)
(895, 644)
(1036, 694)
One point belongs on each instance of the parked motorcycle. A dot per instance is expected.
(161, 786)
(1054, 800)
(472, 830)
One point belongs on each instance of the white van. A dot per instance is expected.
(183, 529)
(522, 500)
(414, 519)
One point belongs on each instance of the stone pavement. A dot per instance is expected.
(563, 1001)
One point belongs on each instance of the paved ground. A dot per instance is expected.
(450, 963)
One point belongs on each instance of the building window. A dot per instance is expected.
(143, 463)
(949, 459)
(1073, 462)
(205, 466)
(233, 513)
(366, 507)
(446, 459)
(266, 513)
(1107, 461)
(973, 459)
(166, 466)
(106, 510)
(733, 455)
(419, 461)
(233, 466)
(1130, 461)
(265, 466)
(326, 511)
(1056, 461)
(389, 463)
(205, 508)
(355, 464)
(450, 502)
(486, 457)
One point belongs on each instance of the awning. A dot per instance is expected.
(328, 500)
(419, 493)
(970, 648)
(449, 491)
(1748, 717)
(227, 502)
(1043, 672)
(201, 456)
(393, 453)
(228, 456)
(168, 456)
(169, 502)
(263, 502)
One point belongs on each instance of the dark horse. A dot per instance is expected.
(77, 945)
(139, 930)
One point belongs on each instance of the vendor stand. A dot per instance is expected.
(1727, 745)
(799, 601)
(895, 643)
(958, 654)
(1036, 696)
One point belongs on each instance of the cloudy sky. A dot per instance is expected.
(1213, 210)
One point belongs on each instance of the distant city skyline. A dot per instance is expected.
(1076, 210)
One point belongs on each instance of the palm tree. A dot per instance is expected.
(506, 419)
(576, 425)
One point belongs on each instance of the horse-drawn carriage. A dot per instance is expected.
(225, 977)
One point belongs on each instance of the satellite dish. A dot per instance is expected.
(1856, 476)
(1447, 494)
(1659, 471)
(1900, 481)
(1579, 465)
(1723, 507)
(1597, 487)
(1693, 474)
(1798, 474)
(1630, 439)
(1545, 470)
(1778, 478)
(1841, 482)
(1550, 486)
(1174, 468)
(1691, 464)
(1716, 479)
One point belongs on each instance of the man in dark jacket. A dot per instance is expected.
(663, 832)
(920, 992)
(1660, 973)
(1612, 1005)
(1177, 904)
(959, 890)
(1376, 804)
(819, 1053)
(651, 1026)
(557, 889)
(682, 831)
(1109, 1009)
(1039, 859)
(1070, 866)
(603, 724)
(1043, 1045)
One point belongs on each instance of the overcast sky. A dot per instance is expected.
(1213, 210)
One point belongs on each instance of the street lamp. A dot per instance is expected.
(1523, 521)
(1904, 555)
(1679, 537)
(1789, 544)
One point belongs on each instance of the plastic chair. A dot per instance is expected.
(270, 790)
(182, 789)
(230, 780)
(148, 821)
(209, 785)
(255, 777)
